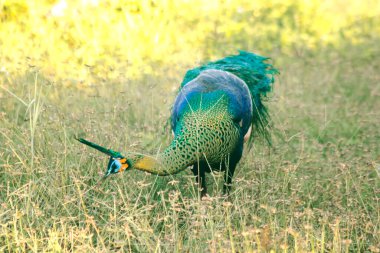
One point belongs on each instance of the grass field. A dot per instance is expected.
(316, 189)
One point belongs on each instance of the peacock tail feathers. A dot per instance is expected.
(259, 77)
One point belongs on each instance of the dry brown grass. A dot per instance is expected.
(315, 190)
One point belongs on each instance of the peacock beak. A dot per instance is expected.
(124, 164)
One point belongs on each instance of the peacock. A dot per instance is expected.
(219, 106)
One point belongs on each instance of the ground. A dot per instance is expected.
(315, 189)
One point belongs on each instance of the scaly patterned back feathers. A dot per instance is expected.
(256, 73)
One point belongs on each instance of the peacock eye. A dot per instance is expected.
(115, 166)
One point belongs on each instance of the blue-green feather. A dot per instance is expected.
(256, 73)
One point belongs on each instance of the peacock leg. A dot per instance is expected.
(200, 178)
(228, 175)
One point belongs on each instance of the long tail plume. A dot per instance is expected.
(256, 73)
(104, 150)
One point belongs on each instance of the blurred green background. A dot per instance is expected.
(87, 40)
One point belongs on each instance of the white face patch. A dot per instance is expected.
(248, 134)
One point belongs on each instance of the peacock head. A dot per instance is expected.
(117, 162)
(117, 165)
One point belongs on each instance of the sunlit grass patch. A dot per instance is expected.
(88, 42)
(109, 71)
(315, 190)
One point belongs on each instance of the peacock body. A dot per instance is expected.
(218, 105)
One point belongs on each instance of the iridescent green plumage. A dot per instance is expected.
(217, 106)
(106, 151)
(256, 73)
